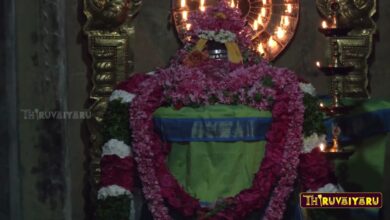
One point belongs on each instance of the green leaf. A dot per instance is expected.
(111, 208)
(267, 81)
(258, 97)
(116, 122)
(314, 118)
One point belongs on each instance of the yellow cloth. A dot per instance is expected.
(233, 51)
(234, 54)
(200, 45)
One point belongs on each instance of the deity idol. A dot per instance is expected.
(193, 134)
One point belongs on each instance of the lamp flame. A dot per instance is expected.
(271, 42)
(201, 5)
(188, 26)
(184, 15)
(260, 20)
(289, 8)
(285, 21)
(264, 2)
(183, 3)
(232, 4)
(260, 49)
(255, 25)
(280, 33)
(263, 12)
(322, 146)
(318, 64)
(324, 24)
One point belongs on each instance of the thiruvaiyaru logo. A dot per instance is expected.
(341, 200)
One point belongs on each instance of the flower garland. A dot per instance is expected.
(117, 164)
(180, 85)
(314, 171)
(221, 36)
(193, 80)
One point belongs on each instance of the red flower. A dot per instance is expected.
(132, 84)
(117, 171)
(187, 85)
(178, 106)
(315, 170)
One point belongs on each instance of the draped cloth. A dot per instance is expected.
(216, 150)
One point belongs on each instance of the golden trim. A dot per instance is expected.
(110, 34)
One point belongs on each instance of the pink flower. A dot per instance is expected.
(183, 85)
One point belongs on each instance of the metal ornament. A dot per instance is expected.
(110, 32)
(355, 46)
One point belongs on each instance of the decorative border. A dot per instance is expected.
(110, 33)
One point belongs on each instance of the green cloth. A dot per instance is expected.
(209, 170)
(211, 111)
(212, 170)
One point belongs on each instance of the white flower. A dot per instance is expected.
(116, 147)
(328, 188)
(151, 73)
(124, 96)
(312, 142)
(307, 88)
(222, 36)
(113, 190)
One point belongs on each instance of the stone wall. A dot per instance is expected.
(4, 160)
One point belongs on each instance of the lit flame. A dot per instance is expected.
(318, 64)
(264, 2)
(183, 3)
(263, 12)
(201, 6)
(324, 24)
(285, 21)
(260, 49)
(335, 145)
(280, 33)
(271, 42)
(289, 8)
(322, 105)
(322, 146)
(260, 20)
(232, 4)
(255, 25)
(188, 26)
(184, 15)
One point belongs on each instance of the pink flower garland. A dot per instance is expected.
(180, 85)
